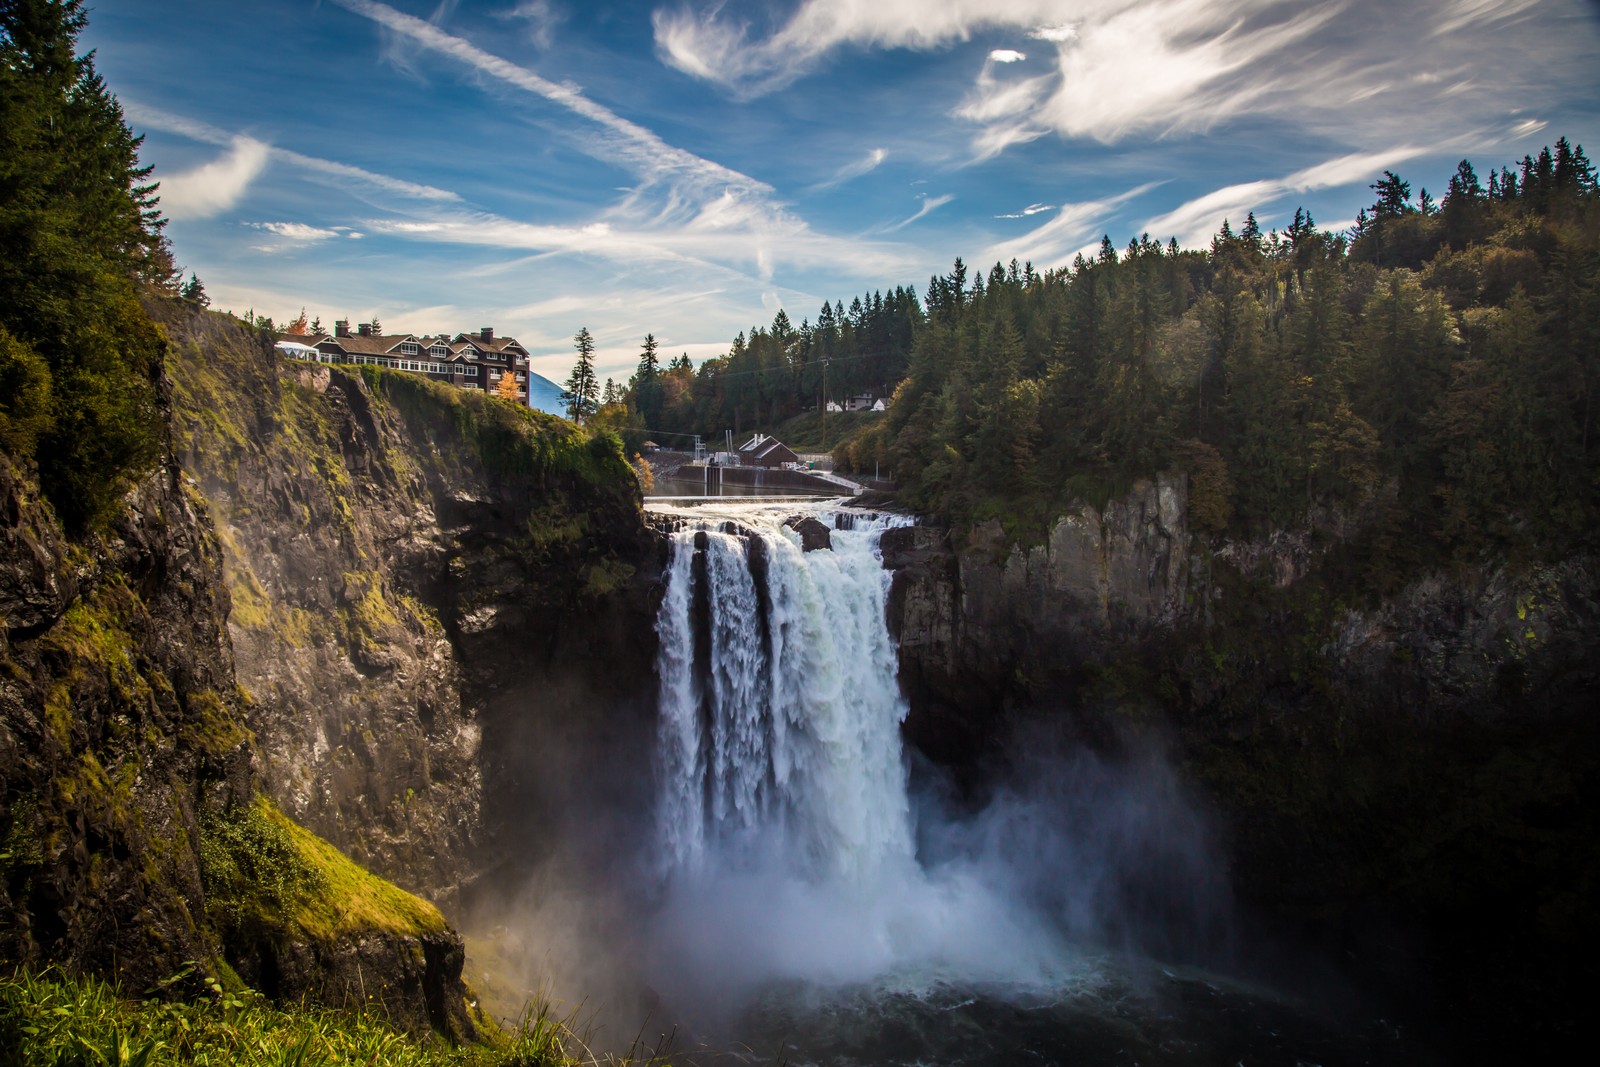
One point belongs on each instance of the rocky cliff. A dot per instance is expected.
(134, 841)
(435, 609)
(1408, 775)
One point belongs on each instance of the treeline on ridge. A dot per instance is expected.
(1435, 366)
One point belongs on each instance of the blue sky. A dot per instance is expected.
(686, 167)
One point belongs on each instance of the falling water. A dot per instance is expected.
(780, 711)
(807, 904)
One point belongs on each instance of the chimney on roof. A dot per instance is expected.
(341, 328)
(486, 333)
(364, 329)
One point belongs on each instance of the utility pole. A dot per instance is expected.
(824, 405)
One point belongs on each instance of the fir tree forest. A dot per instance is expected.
(1435, 367)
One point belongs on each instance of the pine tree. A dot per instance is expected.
(194, 292)
(581, 392)
(82, 233)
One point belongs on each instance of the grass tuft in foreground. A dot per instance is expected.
(48, 1019)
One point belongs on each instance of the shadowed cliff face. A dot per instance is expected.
(435, 601)
(132, 842)
(1406, 778)
(117, 730)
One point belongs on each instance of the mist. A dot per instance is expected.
(790, 845)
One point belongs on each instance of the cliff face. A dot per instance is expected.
(1409, 776)
(126, 775)
(433, 643)
(118, 729)
(434, 608)
(991, 626)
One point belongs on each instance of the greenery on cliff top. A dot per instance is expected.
(80, 362)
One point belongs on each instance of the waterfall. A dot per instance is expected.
(786, 847)
(779, 706)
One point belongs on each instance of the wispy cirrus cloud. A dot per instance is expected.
(854, 169)
(300, 234)
(152, 118)
(1121, 69)
(214, 187)
(1194, 222)
(1031, 209)
(710, 44)
(1067, 231)
(929, 206)
(621, 140)
(685, 209)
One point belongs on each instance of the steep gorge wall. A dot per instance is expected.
(1411, 777)
(437, 605)
(132, 842)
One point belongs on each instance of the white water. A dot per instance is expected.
(784, 819)
(791, 747)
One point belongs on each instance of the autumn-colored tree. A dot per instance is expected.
(506, 387)
(647, 476)
(299, 325)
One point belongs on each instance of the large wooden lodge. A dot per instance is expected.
(470, 360)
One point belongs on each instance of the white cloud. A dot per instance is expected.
(1123, 69)
(855, 169)
(215, 187)
(1459, 14)
(929, 206)
(1031, 209)
(1053, 243)
(622, 140)
(686, 210)
(708, 45)
(320, 169)
(1055, 34)
(541, 17)
(1006, 55)
(300, 232)
(1194, 223)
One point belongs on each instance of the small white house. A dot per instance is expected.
(832, 406)
(881, 404)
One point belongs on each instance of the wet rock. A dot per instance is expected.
(813, 533)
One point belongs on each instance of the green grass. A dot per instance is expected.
(267, 875)
(49, 1019)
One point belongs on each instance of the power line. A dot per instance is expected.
(793, 366)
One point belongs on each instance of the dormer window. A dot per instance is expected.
(409, 348)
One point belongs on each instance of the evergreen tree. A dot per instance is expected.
(194, 292)
(581, 391)
(82, 233)
(648, 393)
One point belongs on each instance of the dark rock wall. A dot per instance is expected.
(118, 730)
(445, 631)
(1412, 780)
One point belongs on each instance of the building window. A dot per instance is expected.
(409, 348)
